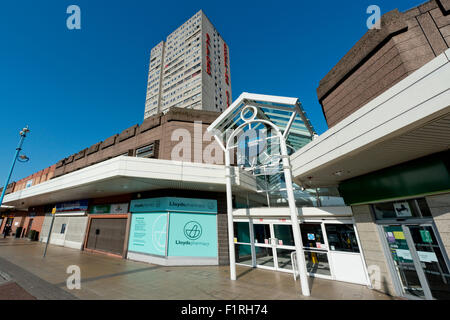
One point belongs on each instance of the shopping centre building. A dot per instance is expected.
(387, 103)
(372, 193)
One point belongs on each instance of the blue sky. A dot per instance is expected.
(77, 87)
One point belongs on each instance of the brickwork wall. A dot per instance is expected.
(406, 42)
(38, 177)
(162, 129)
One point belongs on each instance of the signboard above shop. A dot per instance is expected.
(117, 208)
(72, 206)
(174, 204)
(402, 209)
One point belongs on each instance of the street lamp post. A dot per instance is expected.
(23, 135)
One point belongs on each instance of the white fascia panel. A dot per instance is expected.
(127, 167)
(151, 169)
(193, 172)
(97, 172)
(415, 77)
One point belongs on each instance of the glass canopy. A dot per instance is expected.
(285, 113)
(257, 146)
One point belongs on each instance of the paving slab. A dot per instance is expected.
(106, 277)
(12, 291)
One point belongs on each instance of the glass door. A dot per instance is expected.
(264, 254)
(274, 243)
(403, 261)
(315, 246)
(420, 262)
(283, 246)
(432, 260)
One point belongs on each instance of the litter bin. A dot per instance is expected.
(18, 232)
(33, 235)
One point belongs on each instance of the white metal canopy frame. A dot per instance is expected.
(288, 125)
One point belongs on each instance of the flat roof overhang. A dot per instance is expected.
(408, 121)
(125, 174)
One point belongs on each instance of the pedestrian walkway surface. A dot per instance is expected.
(12, 291)
(105, 277)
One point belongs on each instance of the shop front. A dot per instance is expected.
(414, 249)
(107, 229)
(7, 220)
(69, 225)
(331, 246)
(174, 231)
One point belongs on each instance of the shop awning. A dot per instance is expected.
(123, 175)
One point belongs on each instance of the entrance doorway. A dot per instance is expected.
(419, 262)
(107, 235)
(274, 243)
(331, 247)
(30, 224)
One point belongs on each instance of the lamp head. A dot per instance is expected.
(23, 158)
(24, 131)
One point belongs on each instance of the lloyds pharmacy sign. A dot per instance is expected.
(192, 231)
(193, 235)
(191, 225)
(174, 204)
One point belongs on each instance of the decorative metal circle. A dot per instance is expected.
(253, 111)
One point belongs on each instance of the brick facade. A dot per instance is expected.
(159, 129)
(382, 58)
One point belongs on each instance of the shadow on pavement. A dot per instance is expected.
(106, 276)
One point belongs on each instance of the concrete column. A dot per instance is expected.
(440, 210)
(371, 245)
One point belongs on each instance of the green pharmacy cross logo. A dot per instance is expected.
(192, 230)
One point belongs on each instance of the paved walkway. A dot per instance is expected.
(104, 277)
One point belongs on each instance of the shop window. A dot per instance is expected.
(405, 209)
(146, 152)
(312, 236)
(262, 233)
(342, 237)
(423, 207)
(192, 235)
(243, 254)
(63, 228)
(284, 234)
(242, 232)
(148, 233)
(317, 263)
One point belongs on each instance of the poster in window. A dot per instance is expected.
(402, 209)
